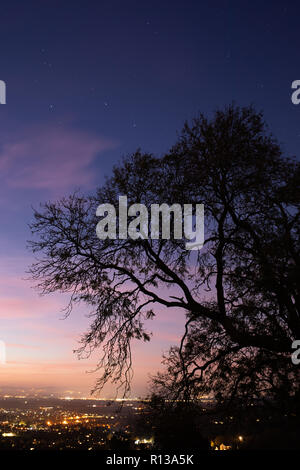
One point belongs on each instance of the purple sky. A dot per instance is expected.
(88, 82)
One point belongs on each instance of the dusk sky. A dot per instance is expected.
(90, 81)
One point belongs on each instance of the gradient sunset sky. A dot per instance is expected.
(91, 81)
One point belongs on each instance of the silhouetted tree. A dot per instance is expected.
(239, 293)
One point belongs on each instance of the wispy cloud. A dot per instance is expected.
(14, 307)
(21, 346)
(50, 158)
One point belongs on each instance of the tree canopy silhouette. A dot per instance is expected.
(239, 294)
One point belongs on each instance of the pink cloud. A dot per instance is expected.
(48, 365)
(51, 158)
